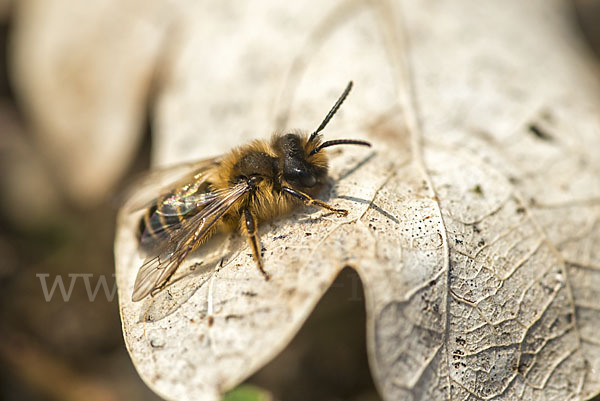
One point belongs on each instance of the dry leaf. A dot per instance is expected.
(472, 223)
(83, 71)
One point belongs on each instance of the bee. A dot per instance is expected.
(234, 192)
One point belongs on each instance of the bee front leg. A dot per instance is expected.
(249, 227)
(313, 202)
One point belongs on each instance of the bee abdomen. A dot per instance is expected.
(154, 225)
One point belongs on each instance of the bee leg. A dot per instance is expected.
(313, 202)
(249, 227)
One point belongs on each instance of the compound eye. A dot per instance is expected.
(308, 180)
(301, 176)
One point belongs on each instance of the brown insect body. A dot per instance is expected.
(252, 184)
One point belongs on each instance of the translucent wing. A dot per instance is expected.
(166, 258)
(141, 194)
(184, 198)
(177, 205)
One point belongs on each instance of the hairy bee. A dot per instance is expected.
(234, 192)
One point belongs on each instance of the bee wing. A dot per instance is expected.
(168, 255)
(142, 194)
(178, 205)
(186, 195)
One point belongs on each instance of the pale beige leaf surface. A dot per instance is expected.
(473, 221)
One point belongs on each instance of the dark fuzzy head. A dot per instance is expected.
(298, 167)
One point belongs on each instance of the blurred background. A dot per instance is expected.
(60, 190)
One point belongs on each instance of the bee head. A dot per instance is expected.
(298, 169)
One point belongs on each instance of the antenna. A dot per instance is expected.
(331, 113)
(338, 142)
